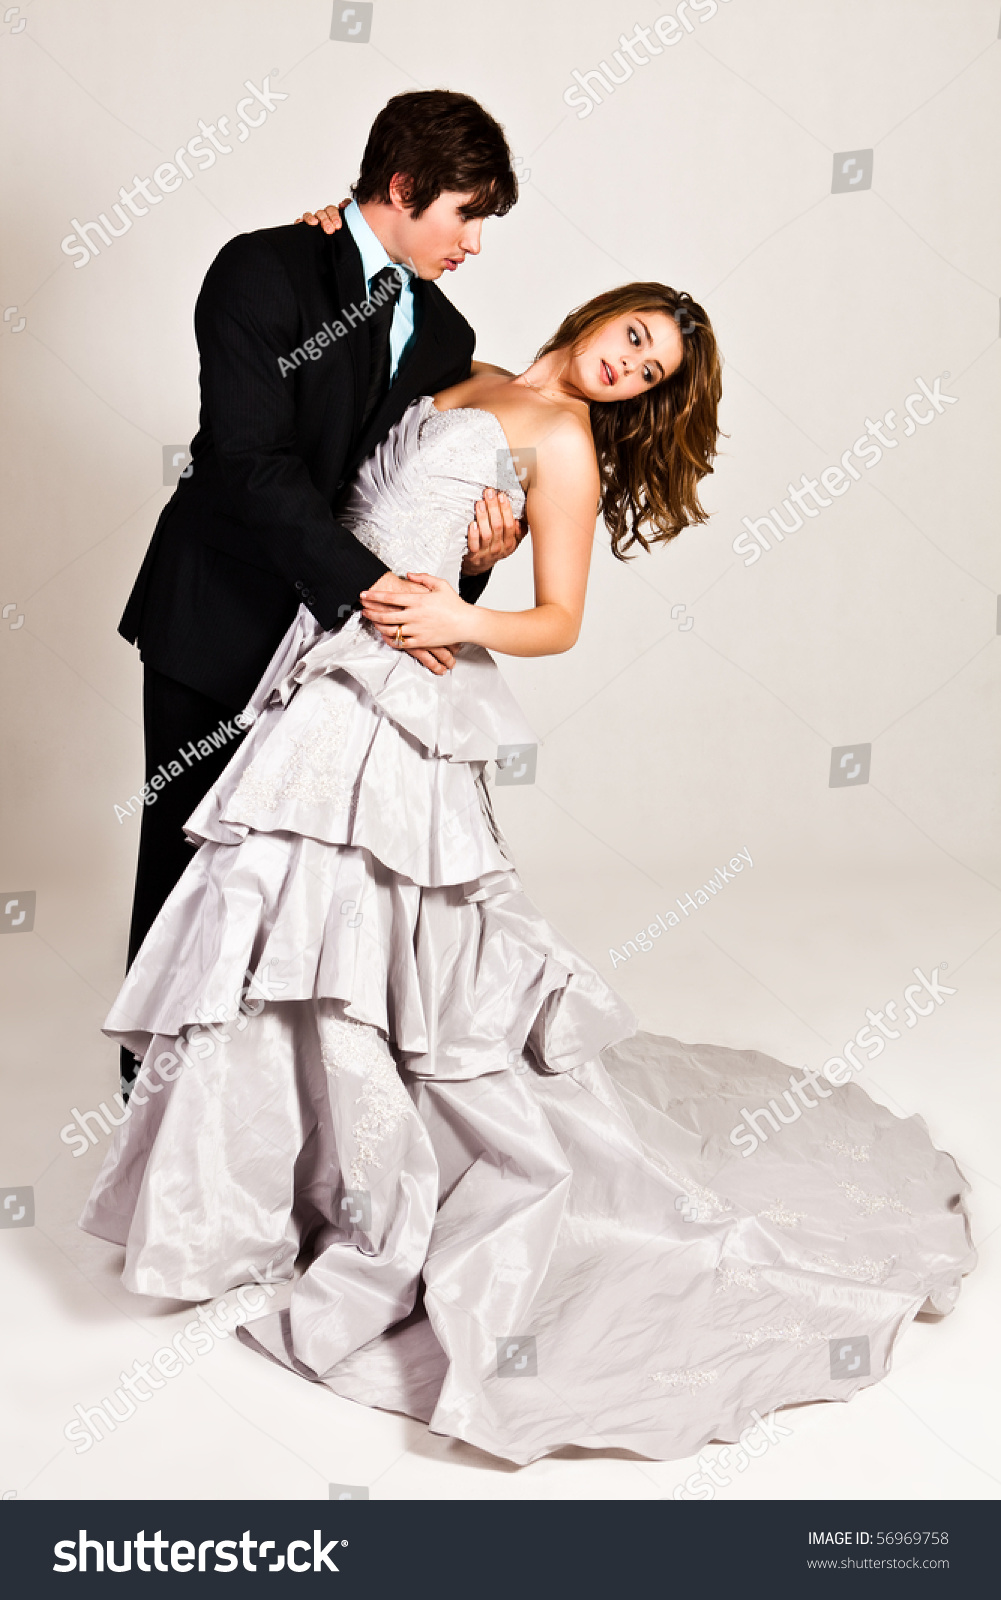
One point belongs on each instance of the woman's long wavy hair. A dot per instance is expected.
(653, 449)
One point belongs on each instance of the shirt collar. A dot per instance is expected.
(373, 253)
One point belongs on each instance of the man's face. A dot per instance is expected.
(441, 238)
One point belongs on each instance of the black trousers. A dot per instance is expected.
(175, 718)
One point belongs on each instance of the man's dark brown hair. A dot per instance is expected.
(439, 140)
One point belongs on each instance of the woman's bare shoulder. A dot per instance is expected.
(564, 433)
(558, 428)
(539, 416)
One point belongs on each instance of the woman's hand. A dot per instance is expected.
(328, 217)
(426, 617)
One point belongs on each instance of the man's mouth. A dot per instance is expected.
(608, 374)
(451, 262)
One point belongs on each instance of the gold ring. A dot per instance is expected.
(399, 635)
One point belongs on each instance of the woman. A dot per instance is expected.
(365, 1050)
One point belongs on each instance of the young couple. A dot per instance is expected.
(374, 1080)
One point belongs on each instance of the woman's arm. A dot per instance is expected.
(476, 368)
(561, 506)
(562, 503)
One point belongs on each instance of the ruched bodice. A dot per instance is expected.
(413, 499)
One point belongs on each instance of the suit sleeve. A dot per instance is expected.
(246, 318)
(472, 587)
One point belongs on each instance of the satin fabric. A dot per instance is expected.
(371, 1066)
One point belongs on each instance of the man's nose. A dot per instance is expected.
(469, 239)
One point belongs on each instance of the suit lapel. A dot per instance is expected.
(349, 289)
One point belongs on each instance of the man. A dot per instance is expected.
(312, 346)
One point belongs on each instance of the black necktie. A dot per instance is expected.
(384, 289)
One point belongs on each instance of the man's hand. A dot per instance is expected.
(440, 659)
(493, 535)
(328, 217)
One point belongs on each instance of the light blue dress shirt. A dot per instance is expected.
(373, 260)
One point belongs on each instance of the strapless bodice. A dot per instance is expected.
(413, 498)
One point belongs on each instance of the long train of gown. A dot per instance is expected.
(524, 1222)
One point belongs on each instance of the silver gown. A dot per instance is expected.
(368, 1060)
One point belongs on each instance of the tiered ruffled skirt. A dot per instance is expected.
(514, 1217)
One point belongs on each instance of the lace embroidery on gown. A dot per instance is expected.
(856, 1152)
(796, 1333)
(691, 1378)
(356, 1050)
(313, 770)
(871, 1203)
(863, 1269)
(782, 1216)
(736, 1278)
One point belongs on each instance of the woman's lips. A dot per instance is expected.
(608, 375)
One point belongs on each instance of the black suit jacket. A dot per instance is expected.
(252, 531)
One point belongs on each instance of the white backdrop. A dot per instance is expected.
(823, 179)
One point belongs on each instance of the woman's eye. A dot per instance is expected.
(647, 375)
(634, 337)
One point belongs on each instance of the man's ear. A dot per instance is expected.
(401, 188)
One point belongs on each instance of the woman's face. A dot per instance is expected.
(621, 359)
